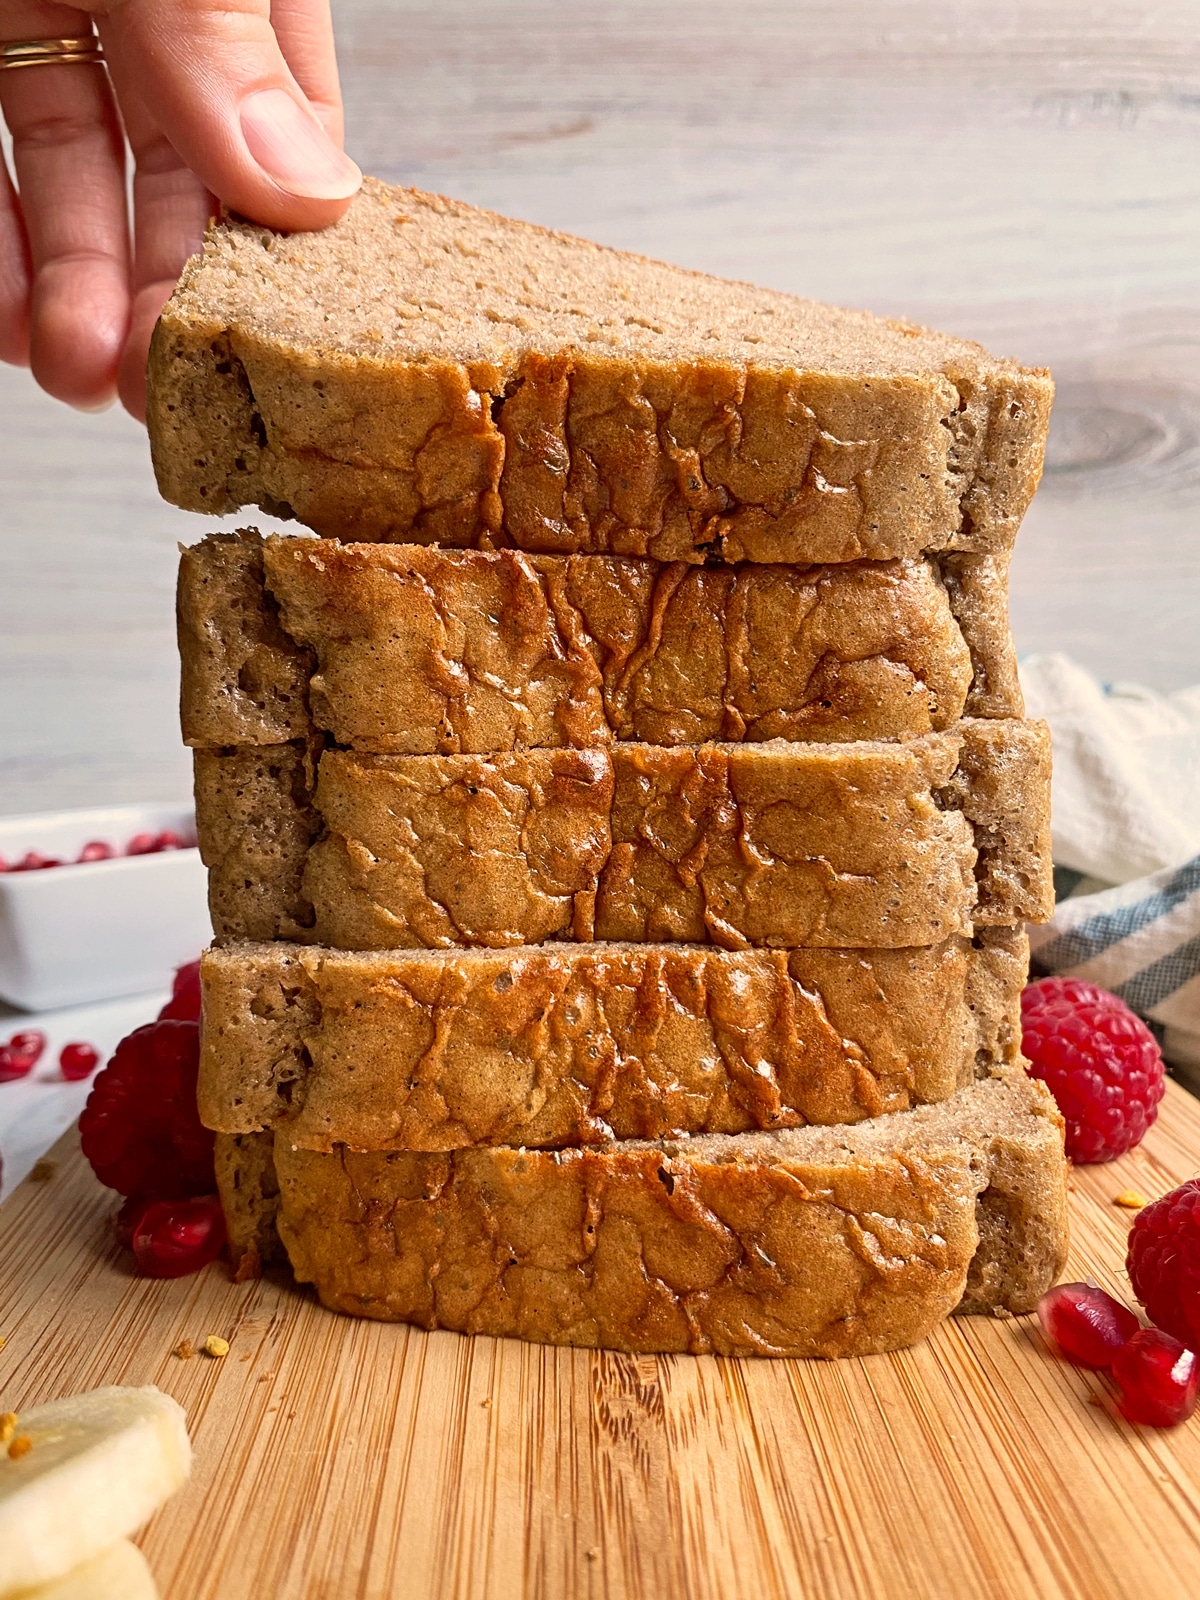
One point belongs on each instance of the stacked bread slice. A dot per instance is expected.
(620, 818)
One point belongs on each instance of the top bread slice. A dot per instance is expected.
(427, 372)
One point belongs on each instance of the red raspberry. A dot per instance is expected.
(140, 1129)
(20, 1055)
(1100, 1062)
(96, 850)
(185, 994)
(1164, 1261)
(1087, 1325)
(174, 1237)
(77, 1061)
(1158, 1379)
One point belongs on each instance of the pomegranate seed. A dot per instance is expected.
(21, 1054)
(1158, 1379)
(13, 1065)
(167, 840)
(142, 844)
(184, 1003)
(31, 1042)
(96, 850)
(1087, 1325)
(34, 861)
(78, 1061)
(125, 1223)
(174, 1237)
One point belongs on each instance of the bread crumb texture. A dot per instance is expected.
(427, 372)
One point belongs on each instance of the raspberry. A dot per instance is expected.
(77, 1061)
(1068, 991)
(140, 1128)
(1087, 1325)
(1164, 1261)
(185, 994)
(142, 844)
(1158, 1379)
(20, 1055)
(96, 850)
(174, 1237)
(1100, 1062)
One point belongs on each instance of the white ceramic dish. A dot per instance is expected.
(75, 934)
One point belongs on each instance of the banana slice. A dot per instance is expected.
(95, 1468)
(118, 1574)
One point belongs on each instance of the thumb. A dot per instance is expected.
(214, 79)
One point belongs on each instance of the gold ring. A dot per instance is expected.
(51, 52)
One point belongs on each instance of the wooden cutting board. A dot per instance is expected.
(339, 1459)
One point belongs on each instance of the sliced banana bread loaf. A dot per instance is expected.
(404, 649)
(809, 1242)
(427, 372)
(790, 845)
(573, 1044)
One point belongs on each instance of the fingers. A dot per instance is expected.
(15, 276)
(214, 79)
(304, 29)
(69, 159)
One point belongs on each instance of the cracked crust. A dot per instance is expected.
(407, 650)
(427, 372)
(558, 1046)
(810, 1242)
(781, 845)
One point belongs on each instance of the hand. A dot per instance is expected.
(236, 99)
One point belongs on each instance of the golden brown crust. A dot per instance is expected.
(426, 372)
(818, 1241)
(564, 1045)
(783, 845)
(400, 649)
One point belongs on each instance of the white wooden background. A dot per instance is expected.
(1024, 172)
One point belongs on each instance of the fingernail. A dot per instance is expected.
(93, 408)
(293, 149)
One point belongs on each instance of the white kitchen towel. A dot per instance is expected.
(1126, 821)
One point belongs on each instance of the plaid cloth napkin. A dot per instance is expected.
(1126, 818)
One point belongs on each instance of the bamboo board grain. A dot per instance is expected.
(340, 1460)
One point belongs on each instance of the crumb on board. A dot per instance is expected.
(8, 1426)
(185, 1350)
(2, 1341)
(1131, 1199)
(215, 1346)
(42, 1171)
(21, 1446)
(249, 1266)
